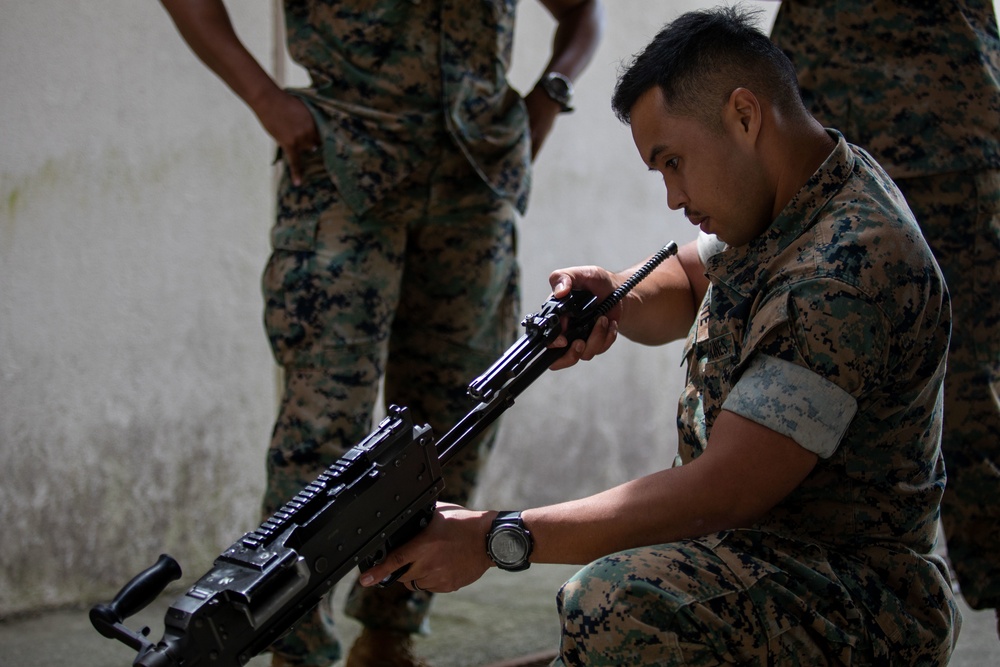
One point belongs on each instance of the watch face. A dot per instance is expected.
(507, 546)
(559, 87)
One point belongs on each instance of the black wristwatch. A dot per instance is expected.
(509, 543)
(559, 88)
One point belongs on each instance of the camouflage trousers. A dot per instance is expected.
(419, 293)
(732, 598)
(959, 214)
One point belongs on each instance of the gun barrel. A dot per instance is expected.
(640, 274)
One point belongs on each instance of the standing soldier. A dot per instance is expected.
(407, 159)
(917, 84)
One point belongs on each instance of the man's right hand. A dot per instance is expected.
(207, 29)
(599, 282)
(288, 120)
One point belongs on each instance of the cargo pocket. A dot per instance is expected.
(299, 207)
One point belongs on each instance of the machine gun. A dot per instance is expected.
(377, 496)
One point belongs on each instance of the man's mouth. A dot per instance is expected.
(697, 219)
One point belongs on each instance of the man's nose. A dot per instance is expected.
(676, 199)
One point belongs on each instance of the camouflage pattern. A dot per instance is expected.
(831, 328)
(724, 599)
(960, 216)
(395, 258)
(382, 73)
(915, 83)
(422, 290)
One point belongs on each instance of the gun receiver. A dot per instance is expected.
(377, 496)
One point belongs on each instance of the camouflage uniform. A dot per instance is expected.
(830, 328)
(915, 83)
(395, 258)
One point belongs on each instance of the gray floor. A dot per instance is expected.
(500, 617)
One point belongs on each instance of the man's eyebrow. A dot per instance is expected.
(654, 152)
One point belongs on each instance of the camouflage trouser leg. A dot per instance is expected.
(700, 602)
(421, 290)
(960, 216)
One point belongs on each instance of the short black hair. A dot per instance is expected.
(699, 58)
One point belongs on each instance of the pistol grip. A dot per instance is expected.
(135, 596)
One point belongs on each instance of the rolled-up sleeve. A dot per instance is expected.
(793, 401)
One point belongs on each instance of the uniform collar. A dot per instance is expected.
(741, 271)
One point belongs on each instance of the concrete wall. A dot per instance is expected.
(136, 386)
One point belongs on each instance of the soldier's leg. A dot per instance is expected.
(689, 603)
(458, 312)
(331, 288)
(960, 216)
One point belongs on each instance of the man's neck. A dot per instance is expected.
(799, 151)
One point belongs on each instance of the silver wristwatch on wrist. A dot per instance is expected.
(559, 88)
(509, 543)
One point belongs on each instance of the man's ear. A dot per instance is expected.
(742, 114)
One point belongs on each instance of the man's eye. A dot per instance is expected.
(671, 163)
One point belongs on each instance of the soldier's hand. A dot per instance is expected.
(600, 283)
(288, 120)
(448, 554)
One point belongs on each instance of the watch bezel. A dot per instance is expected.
(512, 530)
(563, 96)
(515, 538)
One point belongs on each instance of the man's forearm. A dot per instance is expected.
(577, 36)
(206, 28)
(744, 472)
